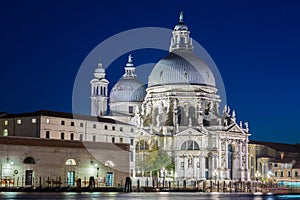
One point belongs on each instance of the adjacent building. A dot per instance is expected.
(272, 162)
(61, 128)
(52, 163)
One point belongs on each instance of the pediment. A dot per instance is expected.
(142, 133)
(235, 129)
(192, 132)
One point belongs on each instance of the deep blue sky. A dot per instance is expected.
(255, 45)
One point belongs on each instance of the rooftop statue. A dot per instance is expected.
(181, 17)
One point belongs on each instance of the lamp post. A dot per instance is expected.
(215, 176)
(270, 178)
(257, 175)
(163, 175)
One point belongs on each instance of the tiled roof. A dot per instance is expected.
(2, 114)
(279, 146)
(62, 115)
(62, 143)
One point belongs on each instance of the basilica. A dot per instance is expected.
(180, 133)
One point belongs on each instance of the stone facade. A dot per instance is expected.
(181, 133)
(68, 126)
(41, 162)
(274, 162)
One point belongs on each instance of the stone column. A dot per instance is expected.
(213, 158)
(226, 154)
(241, 154)
(246, 154)
(247, 157)
(220, 154)
(202, 167)
(242, 172)
(184, 165)
(176, 166)
(198, 169)
(194, 167)
(226, 160)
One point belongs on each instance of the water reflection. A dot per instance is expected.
(144, 196)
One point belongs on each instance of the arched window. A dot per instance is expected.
(5, 132)
(131, 156)
(230, 160)
(190, 145)
(97, 90)
(70, 162)
(260, 168)
(192, 115)
(180, 115)
(29, 160)
(109, 163)
(252, 166)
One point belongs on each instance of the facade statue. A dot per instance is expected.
(199, 106)
(247, 126)
(160, 107)
(137, 110)
(228, 109)
(233, 114)
(148, 108)
(158, 120)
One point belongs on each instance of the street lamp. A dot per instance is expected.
(257, 175)
(215, 176)
(162, 174)
(270, 178)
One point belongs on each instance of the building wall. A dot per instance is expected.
(22, 126)
(282, 171)
(50, 164)
(50, 127)
(273, 166)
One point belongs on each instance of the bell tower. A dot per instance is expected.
(99, 92)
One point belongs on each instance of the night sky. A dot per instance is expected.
(255, 45)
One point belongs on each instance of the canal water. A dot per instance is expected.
(143, 196)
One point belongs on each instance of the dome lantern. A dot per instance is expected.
(181, 40)
(129, 68)
(181, 65)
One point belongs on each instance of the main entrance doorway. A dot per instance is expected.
(109, 178)
(28, 177)
(71, 178)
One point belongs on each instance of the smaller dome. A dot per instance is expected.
(128, 90)
(99, 72)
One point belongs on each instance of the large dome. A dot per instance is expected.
(181, 67)
(128, 90)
